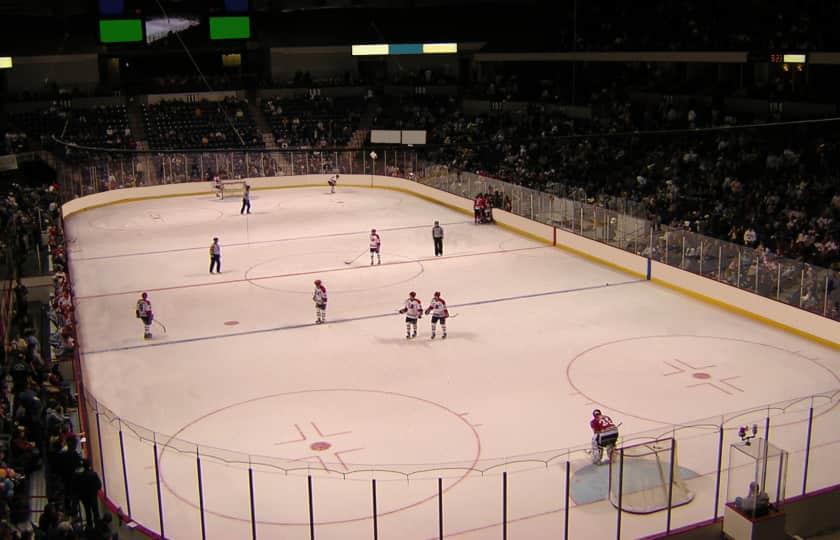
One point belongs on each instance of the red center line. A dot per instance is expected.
(309, 272)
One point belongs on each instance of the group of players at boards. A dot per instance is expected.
(412, 309)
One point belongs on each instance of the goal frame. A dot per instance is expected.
(618, 458)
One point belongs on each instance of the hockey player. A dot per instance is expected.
(437, 307)
(332, 182)
(320, 299)
(145, 314)
(375, 242)
(604, 435)
(413, 310)
(246, 200)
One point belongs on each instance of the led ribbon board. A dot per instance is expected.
(385, 49)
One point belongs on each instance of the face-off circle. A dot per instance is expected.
(328, 434)
(672, 379)
(286, 274)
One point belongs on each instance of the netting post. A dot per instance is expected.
(504, 505)
(311, 509)
(719, 470)
(101, 455)
(200, 493)
(440, 508)
(670, 486)
(251, 495)
(720, 260)
(375, 522)
(766, 448)
(157, 486)
(779, 281)
(568, 508)
(620, 491)
(825, 297)
(808, 447)
(125, 471)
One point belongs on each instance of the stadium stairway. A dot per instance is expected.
(262, 124)
(135, 122)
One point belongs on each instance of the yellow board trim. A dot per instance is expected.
(746, 313)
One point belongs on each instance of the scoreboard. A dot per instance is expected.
(136, 21)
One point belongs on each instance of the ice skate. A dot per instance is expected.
(147, 335)
(433, 336)
(443, 336)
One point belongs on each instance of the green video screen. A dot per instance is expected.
(120, 30)
(230, 27)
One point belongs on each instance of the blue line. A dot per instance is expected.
(360, 318)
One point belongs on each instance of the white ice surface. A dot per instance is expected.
(537, 343)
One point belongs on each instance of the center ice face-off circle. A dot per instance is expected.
(283, 273)
(329, 434)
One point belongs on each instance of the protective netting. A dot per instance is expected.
(642, 475)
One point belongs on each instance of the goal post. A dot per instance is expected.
(646, 477)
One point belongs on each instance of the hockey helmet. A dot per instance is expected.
(412, 294)
(317, 282)
(437, 293)
(144, 295)
(373, 230)
(596, 412)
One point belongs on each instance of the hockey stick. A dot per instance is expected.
(356, 258)
(161, 325)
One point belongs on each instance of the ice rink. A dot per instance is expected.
(243, 378)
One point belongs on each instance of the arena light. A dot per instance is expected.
(370, 50)
(440, 48)
(5, 62)
(794, 58)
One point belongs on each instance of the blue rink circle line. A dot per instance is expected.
(359, 318)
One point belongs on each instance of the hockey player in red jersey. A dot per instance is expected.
(375, 242)
(413, 310)
(437, 307)
(320, 299)
(604, 435)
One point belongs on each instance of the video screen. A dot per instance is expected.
(120, 30)
(160, 27)
(230, 27)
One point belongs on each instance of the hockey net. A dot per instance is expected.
(642, 477)
(230, 188)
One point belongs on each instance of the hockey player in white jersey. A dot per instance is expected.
(413, 310)
(437, 307)
(145, 314)
(375, 242)
(320, 299)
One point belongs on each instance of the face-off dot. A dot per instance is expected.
(320, 446)
(231, 323)
(701, 375)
